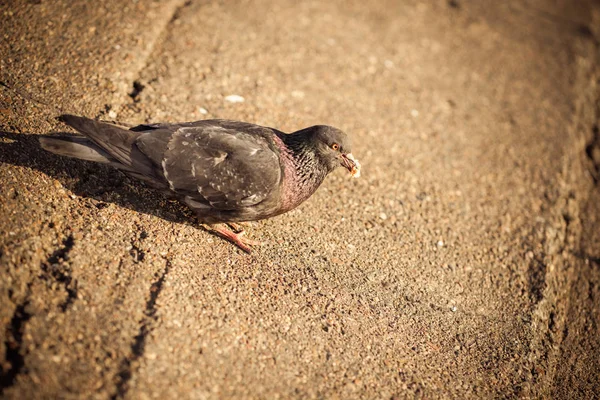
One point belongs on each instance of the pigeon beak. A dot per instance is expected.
(351, 164)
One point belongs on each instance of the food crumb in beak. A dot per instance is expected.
(355, 171)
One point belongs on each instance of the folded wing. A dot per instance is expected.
(215, 164)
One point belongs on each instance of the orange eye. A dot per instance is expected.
(335, 146)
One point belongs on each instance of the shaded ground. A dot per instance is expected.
(463, 264)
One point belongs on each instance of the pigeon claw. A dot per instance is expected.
(236, 238)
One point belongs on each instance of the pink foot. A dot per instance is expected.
(236, 238)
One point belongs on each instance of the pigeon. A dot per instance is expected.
(227, 172)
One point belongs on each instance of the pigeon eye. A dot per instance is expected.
(335, 146)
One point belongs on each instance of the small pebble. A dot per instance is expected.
(234, 98)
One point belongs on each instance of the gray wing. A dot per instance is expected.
(224, 165)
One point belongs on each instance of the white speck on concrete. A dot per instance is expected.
(234, 98)
(298, 94)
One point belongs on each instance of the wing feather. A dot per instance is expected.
(226, 166)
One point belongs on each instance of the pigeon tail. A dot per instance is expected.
(113, 139)
(120, 144)
(75, 147)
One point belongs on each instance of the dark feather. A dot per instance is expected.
(77, 147)
(223, 168)
(226, 171)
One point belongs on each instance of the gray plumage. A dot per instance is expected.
(226, 171)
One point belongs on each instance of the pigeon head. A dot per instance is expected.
(333, 148)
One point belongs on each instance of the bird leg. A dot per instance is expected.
(235, 238)
(238, 227)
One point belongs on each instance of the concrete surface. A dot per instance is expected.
(465, 263)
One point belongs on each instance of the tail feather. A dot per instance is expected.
(105, 143)
(115, 140)
(76, 147)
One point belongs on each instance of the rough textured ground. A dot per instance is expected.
(465, 263)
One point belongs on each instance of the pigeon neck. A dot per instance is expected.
(309, 167)
(304, 172)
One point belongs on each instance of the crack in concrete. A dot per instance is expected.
(138, 87)
(592, 150)
(177, 14)
(138, 345)
(14, 344)
(137, 84)
(56, 269)
(536, 279)
(136, 252)
(549, 320)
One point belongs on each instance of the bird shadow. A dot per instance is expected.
(99, 183)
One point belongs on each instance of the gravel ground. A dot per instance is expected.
(464, 263)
